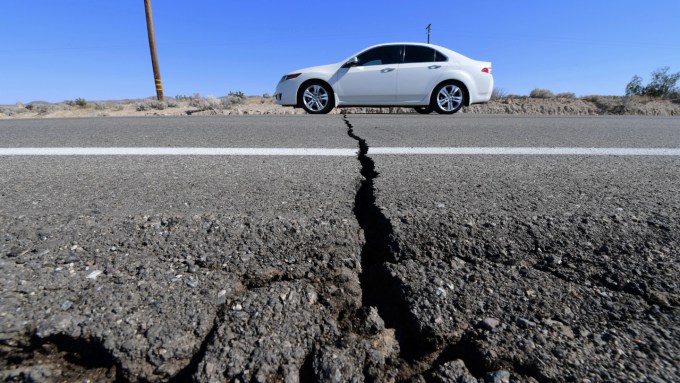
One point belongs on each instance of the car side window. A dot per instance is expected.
(419, 54)
(385, 55)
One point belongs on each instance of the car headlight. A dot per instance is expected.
(291, 76)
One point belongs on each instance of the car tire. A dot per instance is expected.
(423, 109)
(316, 97)
(448, 98)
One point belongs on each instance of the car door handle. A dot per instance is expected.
(434, 67)
(387, 70)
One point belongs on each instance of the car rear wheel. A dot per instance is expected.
(316, 98)
(423, 109)
(447, 98)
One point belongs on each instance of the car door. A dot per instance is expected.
(373, 79)
(419, 73)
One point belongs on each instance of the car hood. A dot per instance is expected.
(328, 69)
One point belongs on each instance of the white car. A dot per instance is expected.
(423, 76)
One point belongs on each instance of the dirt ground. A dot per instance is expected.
(257, 105)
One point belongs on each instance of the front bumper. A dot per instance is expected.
(286, 93)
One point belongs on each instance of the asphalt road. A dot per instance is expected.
(324, 268)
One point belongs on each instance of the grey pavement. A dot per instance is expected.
(518, 131)
(435, 268)
(248, 132)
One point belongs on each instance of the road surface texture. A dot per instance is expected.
(361, 267)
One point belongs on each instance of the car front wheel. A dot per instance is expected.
(447, 98)
(316, 98)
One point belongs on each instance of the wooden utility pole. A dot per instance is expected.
(429, 28)
(152, 46)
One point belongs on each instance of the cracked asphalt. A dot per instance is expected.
(422, 268)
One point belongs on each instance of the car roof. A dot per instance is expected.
(446, 51)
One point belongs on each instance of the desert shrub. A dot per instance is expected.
(11, 110)
(591, 98)
(237, 94)
(117, 107)
(182, 97)
(541, 93)
(43, 109)
(212, 103)
(567, 95)
(266, 95)
(498, 93)
(634, 87)
(662, 84)
(77, 102)
(100, 106)
(232, 99)
(204, 103)
(151, 104)
(8, 110)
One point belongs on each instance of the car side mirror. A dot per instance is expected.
(352, 62)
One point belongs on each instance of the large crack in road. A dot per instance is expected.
(381, 289)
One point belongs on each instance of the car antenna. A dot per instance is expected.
(429, 28)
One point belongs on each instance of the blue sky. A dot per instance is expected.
(98, 49)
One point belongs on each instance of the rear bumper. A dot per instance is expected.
(484, 90)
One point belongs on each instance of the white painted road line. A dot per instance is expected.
(530, 151)
(176, 151)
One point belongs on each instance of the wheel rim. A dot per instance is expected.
(315, 98)
(450, 98)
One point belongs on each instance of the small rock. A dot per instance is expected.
(374, 323)
(525, 323)
(66, 305)
(94, 274)
(554, 260)
(489, 324)
(453, 371)
(500, 376)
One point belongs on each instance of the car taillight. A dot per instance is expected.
(487, 70)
